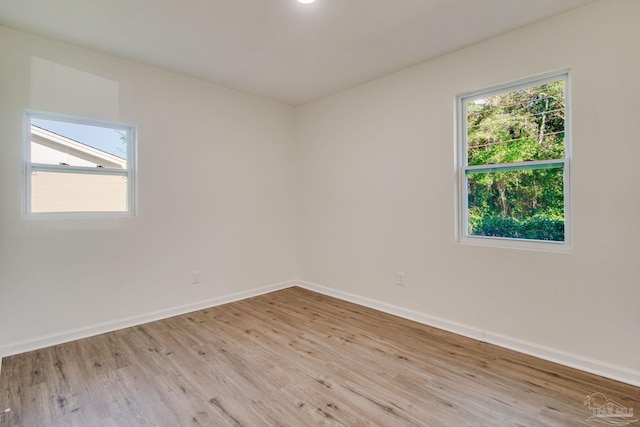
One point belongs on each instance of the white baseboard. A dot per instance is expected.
(101, 328)
(553, 355)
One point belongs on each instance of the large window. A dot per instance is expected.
(78, 167)
(514, 165)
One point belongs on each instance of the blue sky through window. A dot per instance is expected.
(110, 140)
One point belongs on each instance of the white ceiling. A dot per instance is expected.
(278, 49)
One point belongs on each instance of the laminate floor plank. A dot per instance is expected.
(293, 358)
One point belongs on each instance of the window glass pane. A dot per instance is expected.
(64, 143)
(516, 126)
(77, 192)
(520, 204)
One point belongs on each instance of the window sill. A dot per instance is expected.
(521, 244)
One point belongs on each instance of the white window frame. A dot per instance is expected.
(129, 173)
(462, 207)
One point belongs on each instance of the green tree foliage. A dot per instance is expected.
(513, 127)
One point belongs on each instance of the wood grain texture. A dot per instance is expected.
(293, 358)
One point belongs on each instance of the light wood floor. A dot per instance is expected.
(293, 358)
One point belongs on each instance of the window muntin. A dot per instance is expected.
(76, 166)
(514, 164)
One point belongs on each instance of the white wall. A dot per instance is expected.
(376, 196)
(374, 182)
(216, 194)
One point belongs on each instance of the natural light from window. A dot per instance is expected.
(513, 175)
(78, 166)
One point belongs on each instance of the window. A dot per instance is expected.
(514, 165)
(76, 166)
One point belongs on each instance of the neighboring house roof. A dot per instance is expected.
(76, 149)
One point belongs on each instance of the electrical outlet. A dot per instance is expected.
(400, 279)
(195, 278)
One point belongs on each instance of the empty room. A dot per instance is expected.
(329, 212)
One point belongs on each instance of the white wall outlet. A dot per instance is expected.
(400, 279)
(195, 277)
